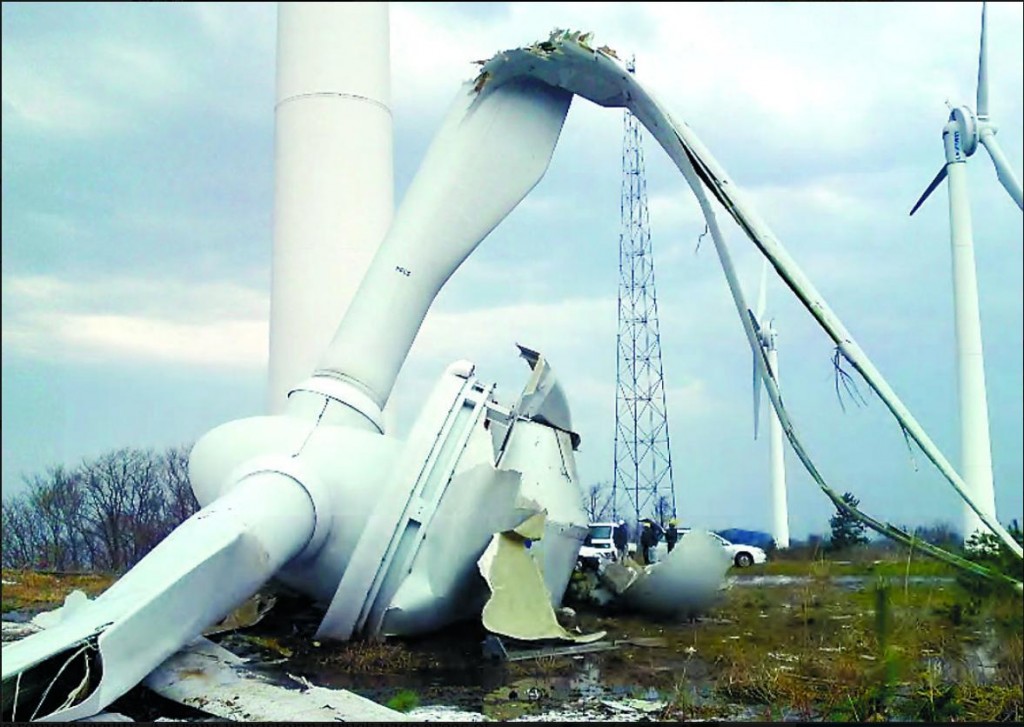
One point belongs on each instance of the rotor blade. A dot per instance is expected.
(762, 292)
(756, 379)
(1003, 171)
(757, 396)
(982, 109)
(931, 188)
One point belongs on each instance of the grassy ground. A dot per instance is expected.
(895, 647)
(893, 568)
(35, 591)
(817, 651)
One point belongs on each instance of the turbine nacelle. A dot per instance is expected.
(962, 130)
(767, 334)
(965, 129)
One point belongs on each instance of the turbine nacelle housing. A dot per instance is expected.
(964, 127)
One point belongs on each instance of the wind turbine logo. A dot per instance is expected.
(766, 335)
(960, 137)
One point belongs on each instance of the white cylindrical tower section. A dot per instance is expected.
(780, 508)
(975, 445)
(333, 186)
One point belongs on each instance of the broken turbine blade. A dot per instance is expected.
(931, 188)
(762, 296)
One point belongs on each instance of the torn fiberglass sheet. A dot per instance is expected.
(520, 605)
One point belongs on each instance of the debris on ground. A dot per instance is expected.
(687, 582)
(250, 613)
(13, 630)
(211, 678)
(495, 647)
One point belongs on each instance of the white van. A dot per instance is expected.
(599, 545)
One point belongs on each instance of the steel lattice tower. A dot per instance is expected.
(643, 460)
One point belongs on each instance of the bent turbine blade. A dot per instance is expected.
(931, 188)
(762, 295)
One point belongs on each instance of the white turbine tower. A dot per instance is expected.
(333, 175)
(766, 337)
(960, 137)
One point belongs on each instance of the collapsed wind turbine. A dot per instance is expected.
(307, 494)
(960, 137)
(766, 336)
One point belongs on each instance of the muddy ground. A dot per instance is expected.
(818, 645)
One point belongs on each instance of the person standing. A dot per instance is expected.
(620, 538)
(671, 534)
(647, 541)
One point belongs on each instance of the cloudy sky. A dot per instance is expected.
(138, 196)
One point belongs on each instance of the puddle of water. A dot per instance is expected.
(462, 686)
(578, 689)
(978, 662)
(852, 582)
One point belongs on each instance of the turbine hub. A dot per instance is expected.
(967, 126)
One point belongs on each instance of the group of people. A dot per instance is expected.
(651, 534)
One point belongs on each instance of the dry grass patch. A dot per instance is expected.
(43, 591)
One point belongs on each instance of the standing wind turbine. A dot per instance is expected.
(766, 337)
(960, 137)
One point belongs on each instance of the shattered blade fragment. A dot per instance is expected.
(543, 399)
(92, 652)
(13, 631)
(481, 81)
(108, 717)
(73, 603)
(520, 605)
(489, 469)
(617, 577)
(686, 582)
(205, 676)
(250, 613)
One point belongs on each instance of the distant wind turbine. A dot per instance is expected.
(960, 136)
(766, 337)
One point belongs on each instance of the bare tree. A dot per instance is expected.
(662, 509)
(106, 479)
(22, 534)
(134, 502)
(105, 514)
(59, 503)
(181, 500)
(598, 501)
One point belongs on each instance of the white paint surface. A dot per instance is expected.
(333, 178)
